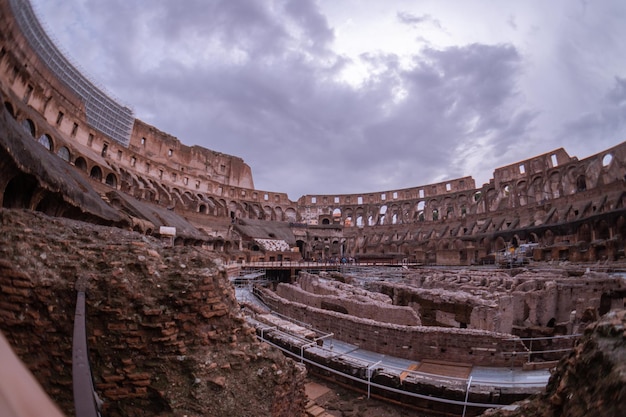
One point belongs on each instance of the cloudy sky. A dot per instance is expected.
(355, 96)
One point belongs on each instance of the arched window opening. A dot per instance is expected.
(581, 183)
(606, 161)
(291, 215)
(359, 221)
(9, 108)
(435, 214)
(81, 164)
(51, 204)
(45, 141)
(325, 221)
(64, 154)
(111, 180)
(19, 191)
(370, 221)
(29, 127)
(96, 173)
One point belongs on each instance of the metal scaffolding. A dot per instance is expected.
(103, 113)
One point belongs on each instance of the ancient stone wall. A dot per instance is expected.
(348, 301)
(575, 209)
(590, 381)
(499, 302)
(164, 330)
(409, 342)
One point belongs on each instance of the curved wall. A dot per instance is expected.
(450, 222)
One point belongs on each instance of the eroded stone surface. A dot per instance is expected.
(164, 329)
(590, 381)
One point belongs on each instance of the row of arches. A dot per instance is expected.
(564, 180)
(63, 152)
(600, 234)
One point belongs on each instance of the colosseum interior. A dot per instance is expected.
(530, 253)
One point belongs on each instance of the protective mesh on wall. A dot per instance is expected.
(102, 112)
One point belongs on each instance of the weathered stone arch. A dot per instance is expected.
(64, 153)
(45, 140)
(581, 183)
(29, 127)
(584, 233)
(9, 107)
(96, 173)
(19, 191)
(603, 230)
(291, 215)
(279, 214)
(555, 186)
(111, 180)
(81, 164)
(499, 244)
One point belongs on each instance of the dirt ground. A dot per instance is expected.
(338, 401)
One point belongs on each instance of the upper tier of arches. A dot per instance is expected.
(155, 167)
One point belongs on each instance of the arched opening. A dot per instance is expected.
(9, 108)
(29, 127)
(19, 191)
(51, 204)
(336, 214)
(581, 183)
(81, 164)
(291, 215)
(382, 214)
(96, 173)
(606, 161)
(301, 245)
(325, 221)
(45, 141)
(64, 154)
(111, 180)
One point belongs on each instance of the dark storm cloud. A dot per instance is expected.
(604, 124)
(261, 80)
(292, 119)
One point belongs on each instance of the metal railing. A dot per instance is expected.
(368, 381)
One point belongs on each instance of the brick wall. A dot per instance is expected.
(409, 342)
(164, 331)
